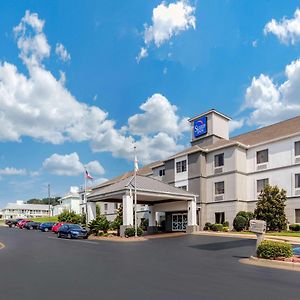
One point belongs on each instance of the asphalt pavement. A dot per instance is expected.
(36, 265)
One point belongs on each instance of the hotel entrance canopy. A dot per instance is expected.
(149, 191)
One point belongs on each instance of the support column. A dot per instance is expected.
(91, 211)
(152, 228)
(192, 217)
(127, 214)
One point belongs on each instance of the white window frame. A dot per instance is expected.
(215, 188)
(262, 163)
(221, 166)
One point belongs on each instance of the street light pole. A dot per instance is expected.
(49, 200)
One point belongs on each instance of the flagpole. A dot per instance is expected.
(135, 196)
(86, 206)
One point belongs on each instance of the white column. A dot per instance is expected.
(152, 216)
(91, 211)
(127, 210)
(192, 212)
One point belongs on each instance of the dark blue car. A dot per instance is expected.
(72, 231)
(46, 226)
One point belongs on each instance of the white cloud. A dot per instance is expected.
(168, 21)
(286, 30)
(12, 171)
(270, 102)
(39, 106)
(62, 52)
(236, 124)
(143, 53)
(70, 165)
(31, 40)
(254, 43)
(159, 116)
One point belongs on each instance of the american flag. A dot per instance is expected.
(88, 175)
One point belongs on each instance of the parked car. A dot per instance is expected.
(46, 226)
(32, 225)
(56, 226)
(72, 231)
(22, 223)
(12, 222)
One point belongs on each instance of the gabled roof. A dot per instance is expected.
(143, 184)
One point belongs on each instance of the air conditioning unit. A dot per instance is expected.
(297, 192)
(219, 198)
(261, 167)
(218, 170)
(297, 160)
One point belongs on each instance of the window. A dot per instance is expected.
(297, 215)
(220, 217)
(183, 187)
(219, 188)
(297, 148)
(181, 166)
(262, 156)
(116, 205)
(82, 197)
(219, 160)
(162, 172)
(297, 181)
(261, 183)
(105, 206)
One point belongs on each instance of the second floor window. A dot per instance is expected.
(105, 206)
(219, 160)
(297, 148)
(181, 166)
(262, 156)
(162, 172)
(261, 183)
(297, 181)
(219, 188)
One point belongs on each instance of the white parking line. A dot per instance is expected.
(72, 240)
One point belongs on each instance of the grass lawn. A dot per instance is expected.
(276, 233)
(45, 219)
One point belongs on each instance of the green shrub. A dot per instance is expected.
(217, 227)
(247, 215)
(226, 224)
(99, 224)
(225, 228)
(294, 227)
(69, 217)
(239, 223)
(207, 226)
(272, 250)
(130, 231)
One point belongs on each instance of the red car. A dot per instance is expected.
(57, 226)
(22, 223)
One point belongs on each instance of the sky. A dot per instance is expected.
(82, 82)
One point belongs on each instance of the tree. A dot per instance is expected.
(118, 221)
(248, 216)
(270, 208)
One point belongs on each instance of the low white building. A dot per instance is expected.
(24, 210)
(69, 202)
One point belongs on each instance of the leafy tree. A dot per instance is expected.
(239, 223)
(53, 201)
(69, 217)
(98, 211)
(118, 221)
(270, 208)
(248, 216)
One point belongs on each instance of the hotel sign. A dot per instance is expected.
(200, 127)
(258, 226)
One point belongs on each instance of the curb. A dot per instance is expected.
(260, 262)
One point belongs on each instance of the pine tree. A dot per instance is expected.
(270, 208)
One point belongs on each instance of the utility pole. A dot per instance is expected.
(49, 201)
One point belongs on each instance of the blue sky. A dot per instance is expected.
(74, 91)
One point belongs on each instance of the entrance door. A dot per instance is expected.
(179, 222)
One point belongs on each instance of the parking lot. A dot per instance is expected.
(38, 265)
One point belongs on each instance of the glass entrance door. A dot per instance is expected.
(179, 222)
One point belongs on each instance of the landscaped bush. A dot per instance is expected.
(294, 227)
(217, 227)
(272, 250)
(226, 224)
(207, 226)
(99, 224)
(239, 223)
(225, 228)
(247, 215)
(69, 217)
(129, 232)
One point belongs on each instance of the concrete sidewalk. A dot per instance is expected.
(288, 239)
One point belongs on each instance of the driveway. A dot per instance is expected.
(36, 265)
